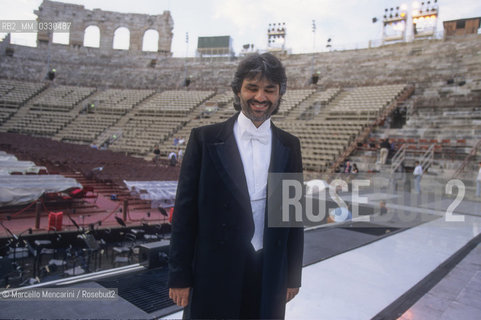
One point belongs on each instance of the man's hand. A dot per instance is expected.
(180, 296)
(291, 293)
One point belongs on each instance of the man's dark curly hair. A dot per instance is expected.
(266, 65)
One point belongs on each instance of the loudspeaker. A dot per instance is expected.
(154, 254)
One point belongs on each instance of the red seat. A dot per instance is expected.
(424, 147)
(55, 221)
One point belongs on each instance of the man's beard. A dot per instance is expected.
(252, 115)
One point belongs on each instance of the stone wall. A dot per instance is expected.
(422, 62)
(107, 22)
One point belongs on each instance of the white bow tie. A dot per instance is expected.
(262, 137)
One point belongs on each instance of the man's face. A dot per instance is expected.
(258, 98)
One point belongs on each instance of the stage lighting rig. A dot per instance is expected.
(276, 36)
(425, 19)
(394, 24)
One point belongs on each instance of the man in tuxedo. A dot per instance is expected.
(225, 260)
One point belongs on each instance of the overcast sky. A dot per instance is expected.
(348, 23)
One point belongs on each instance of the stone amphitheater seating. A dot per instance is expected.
(141, 133)
(109, 106)
(47, 113)
(61, 98)
(221, 106)
(86, 127)
(292, 98)
(365, 101)
(118, 101)
(13, 94)
(144, 118)
(173, 102)
(327, 120)
(42, 123)
(326, 134)
(446, 116)
(305, 109)
(157, 118)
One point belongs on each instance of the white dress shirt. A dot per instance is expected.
(255, 150)
(418, 170)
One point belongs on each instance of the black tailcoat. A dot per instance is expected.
(213, 226)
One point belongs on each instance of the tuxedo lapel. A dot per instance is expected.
(227, 161)
(278, 165)
(279, 154)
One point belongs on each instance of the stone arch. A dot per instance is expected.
(150, 40)
(92, 37)
(108, 22)
(121, 39)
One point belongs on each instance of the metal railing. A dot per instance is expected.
(398, 158)
(466, 160)
(427, 158)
